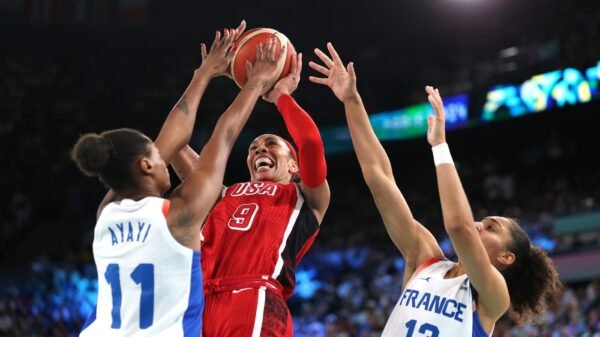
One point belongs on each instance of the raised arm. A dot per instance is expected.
(193, 199)
(177, 128)
(305, 134)
(415, 242)
(458, 219)
(179, 124)
(216, 63)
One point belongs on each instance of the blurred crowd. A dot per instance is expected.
(340, 293)
(360, 286)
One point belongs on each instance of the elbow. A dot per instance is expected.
(312, 144)
(371, 174)
(375, 175)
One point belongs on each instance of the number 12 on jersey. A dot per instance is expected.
(143, 275)
(423, 329)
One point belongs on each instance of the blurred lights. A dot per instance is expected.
(509, 52)
(542, 92)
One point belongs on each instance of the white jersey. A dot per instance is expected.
(148, 283)
(433, 306)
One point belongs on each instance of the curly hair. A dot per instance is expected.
(532, 280)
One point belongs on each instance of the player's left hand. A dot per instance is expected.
(216, 62)
(288, 84)
(340, 79)
(436, 123)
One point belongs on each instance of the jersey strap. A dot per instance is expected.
(165, 207)
(428, 263)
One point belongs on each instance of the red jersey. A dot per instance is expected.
(258, 228)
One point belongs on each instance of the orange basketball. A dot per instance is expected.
(246, 50)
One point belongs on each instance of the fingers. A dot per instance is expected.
(430, 121)
(216, 41)
(319, 68)
(298, 69)
(294, 66)
(203, 51)
(351, 71)
(433, 95)
(334, 54)
(267, 50)
(248, 66)
(260, 51)
(318, 80)
(328, 62)
(273, 49)
(239, 30)
(228, 40)
(270, 50)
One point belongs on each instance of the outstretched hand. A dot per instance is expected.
(264, 70)
(289, 83)
(436, 123)
(341, 80)
(216, 62)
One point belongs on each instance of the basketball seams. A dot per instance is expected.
(283, 40)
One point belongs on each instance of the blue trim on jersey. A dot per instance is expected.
(91, 319)
(478, 330)
(192, 318)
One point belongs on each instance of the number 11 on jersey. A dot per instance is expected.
(143, 275)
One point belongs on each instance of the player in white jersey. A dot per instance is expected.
(497, 266)
(147, 249)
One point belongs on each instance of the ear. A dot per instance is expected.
(293, 166)
(146, 165)
(506, 258)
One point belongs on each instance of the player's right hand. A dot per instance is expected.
(264, 71)
(288, 84)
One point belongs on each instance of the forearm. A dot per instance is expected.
(455, 205)
(369, 151)
(231, 123)
(305, 134)
(413, 241)
(179, 124)
(214, 155)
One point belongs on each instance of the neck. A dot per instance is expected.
(283, 181)
(139, 194)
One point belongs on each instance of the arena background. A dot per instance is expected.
(525, 147)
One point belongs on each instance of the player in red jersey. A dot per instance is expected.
(257, 233)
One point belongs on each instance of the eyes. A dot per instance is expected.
(492, 226)
(268, 143)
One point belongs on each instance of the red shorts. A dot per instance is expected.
(247, 306)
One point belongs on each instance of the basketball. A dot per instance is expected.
(245, 50)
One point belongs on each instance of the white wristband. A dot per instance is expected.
(441, 154)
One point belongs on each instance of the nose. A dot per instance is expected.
(260, 149)
(478, 226)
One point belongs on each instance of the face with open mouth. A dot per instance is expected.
(270, 159)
